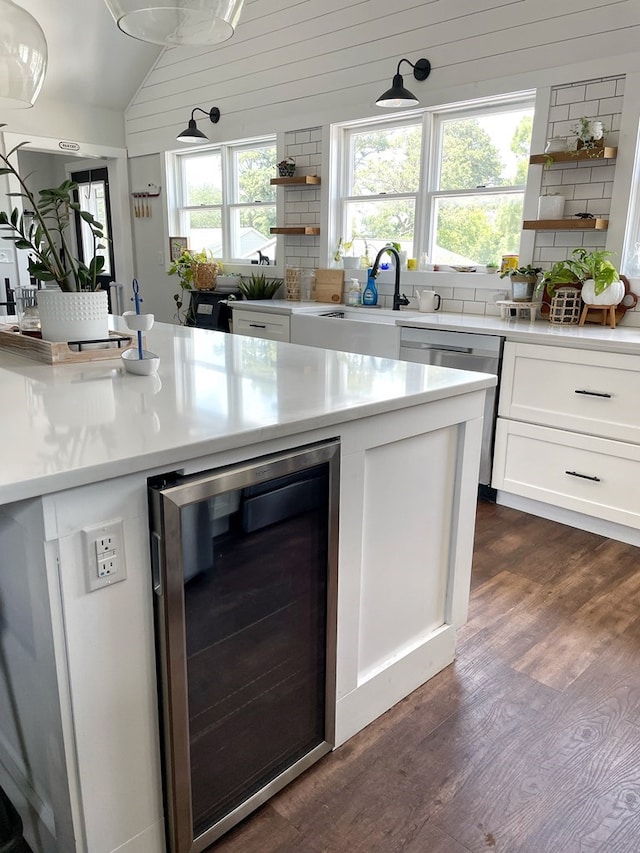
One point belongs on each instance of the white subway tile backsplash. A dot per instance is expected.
(452, 305)
(620, 86)
(604, 89)
(610, 105)
(579, 176)
(473, 307)
(560, 113)
(303, 136)
(568, 239)
(570, 94)
(467, 293)
(584, 108)
(590, 190)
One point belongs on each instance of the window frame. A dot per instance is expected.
(426, 195)
(230, 205)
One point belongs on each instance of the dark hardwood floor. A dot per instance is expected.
(528, 743)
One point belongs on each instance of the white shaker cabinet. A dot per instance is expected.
(262, 324)
(568, 431)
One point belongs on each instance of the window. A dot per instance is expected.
(448, 183)
(225, 202)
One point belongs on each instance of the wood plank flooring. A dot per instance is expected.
(528, 743)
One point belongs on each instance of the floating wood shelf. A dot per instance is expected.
(606, 153)
(296, 229)
(296, 180)
(565, 224)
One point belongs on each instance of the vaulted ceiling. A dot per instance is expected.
(91, 62)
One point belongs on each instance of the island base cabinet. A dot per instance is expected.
(83, 664)
(583, 473)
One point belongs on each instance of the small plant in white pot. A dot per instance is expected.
(601, 283)
(75, 292)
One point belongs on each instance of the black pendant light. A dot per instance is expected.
(397, 95)
(191, 134)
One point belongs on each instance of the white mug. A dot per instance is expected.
(429, 301)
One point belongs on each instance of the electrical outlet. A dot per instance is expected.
(104, 555)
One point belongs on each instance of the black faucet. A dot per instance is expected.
(398, 300)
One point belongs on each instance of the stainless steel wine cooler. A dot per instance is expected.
(244, 576)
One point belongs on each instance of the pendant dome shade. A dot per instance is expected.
(191, 134)
(23, 57)
(177, 22)
(397, 95)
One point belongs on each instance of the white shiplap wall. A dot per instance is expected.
(295, 64)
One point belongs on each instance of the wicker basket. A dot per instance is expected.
(565, 306)
(205, 276)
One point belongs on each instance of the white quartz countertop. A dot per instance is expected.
(624, 339)
(69, 425)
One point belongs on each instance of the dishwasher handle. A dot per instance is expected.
(447, 348)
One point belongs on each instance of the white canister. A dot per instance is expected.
(551, 207)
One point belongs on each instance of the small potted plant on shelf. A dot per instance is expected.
(589, 133)
(523, 281)
(72, 306)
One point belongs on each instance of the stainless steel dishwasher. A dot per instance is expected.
(464, 351)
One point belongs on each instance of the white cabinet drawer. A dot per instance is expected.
(583, 390)
(260, 324)
(591, 475)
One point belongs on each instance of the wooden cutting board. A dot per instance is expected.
(329, 285)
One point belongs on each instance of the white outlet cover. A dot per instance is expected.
(114, 529)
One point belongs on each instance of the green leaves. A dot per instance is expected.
(44, 235)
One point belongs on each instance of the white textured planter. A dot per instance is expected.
(80, 316)
(551, 206)
(613, 295)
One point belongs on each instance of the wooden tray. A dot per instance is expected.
(51, 352)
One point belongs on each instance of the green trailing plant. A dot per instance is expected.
(258, 286)
(43, 232)
(579, 267)
(185, 268)
(595, 265)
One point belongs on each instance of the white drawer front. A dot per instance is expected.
(591, 475)
(273, 327)
(591, 392)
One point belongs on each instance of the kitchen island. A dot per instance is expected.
(79, 732)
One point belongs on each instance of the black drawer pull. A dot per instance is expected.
(583, 476)
(257, 326)
(593, 393)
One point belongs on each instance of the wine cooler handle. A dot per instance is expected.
(156, 563)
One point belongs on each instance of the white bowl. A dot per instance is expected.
(138, 322)
(143, 367)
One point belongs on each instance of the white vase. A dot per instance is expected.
(612, 295)
(78, 316)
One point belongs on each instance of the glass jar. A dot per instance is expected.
(26, 296)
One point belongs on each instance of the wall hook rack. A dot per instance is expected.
(141, 206)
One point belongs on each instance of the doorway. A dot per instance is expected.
(93, 196)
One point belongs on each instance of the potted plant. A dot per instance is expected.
(589, 133)
(523, 281)
(601, 283)
(195, 271)
(561, 274)
(75, 294)
(258, 286)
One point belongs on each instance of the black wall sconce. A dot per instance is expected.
(397, 95)
(191, 133)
